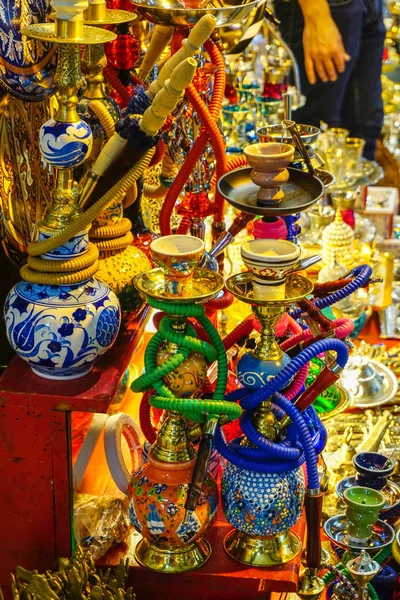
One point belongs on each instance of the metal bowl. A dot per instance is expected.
(272, 133)
(296, 288)
(176, 14)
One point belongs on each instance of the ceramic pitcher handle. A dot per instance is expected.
(117, 426)
(198, 35)
(167, 98)
(161, 37)
(313, 506)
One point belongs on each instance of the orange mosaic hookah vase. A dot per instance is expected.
(172, 498)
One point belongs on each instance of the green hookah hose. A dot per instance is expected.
(380, 558)
(193, 409)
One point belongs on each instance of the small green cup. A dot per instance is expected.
(362, 511)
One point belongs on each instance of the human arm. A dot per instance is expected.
(324, 53)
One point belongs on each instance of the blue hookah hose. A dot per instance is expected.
(362, 274)
(264, 460)
(281, 380)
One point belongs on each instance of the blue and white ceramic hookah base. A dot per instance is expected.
(261, 504)
(65, 145)
(61, 330)
(75, 246)
(253, 373)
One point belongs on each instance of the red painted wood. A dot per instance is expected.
(35, 453)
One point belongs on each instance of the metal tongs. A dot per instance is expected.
(291, 126)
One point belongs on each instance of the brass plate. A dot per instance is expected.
(301, 191)
(45, 32)
(336, 529)
(113, 17)
(174, 13)
(206, 285)
(296, 288)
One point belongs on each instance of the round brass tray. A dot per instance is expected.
(206, 285)
(176, 14)
(296, 288)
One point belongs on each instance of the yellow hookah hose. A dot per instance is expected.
(115, 244)
(396, 551)
(87, 217)
(104, 116)
(58, 278)
(111, 231)
(65, 266)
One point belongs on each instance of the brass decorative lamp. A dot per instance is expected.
(172, 500)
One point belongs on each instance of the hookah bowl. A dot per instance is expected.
(157, 494)
(363, 506)
(269, 162)
(263, 507)
(373, 471)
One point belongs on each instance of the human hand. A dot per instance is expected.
(324, 53)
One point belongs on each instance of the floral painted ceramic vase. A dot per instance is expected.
(61, 330)
(157, 495)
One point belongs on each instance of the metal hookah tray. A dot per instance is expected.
(301, 191)
(181, 14)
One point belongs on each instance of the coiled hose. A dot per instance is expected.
(361, 274)
(270, 457)
(195, 152)
(193, 409)
(104, 117)
(250, 401)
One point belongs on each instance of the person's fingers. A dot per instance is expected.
(347, 57)
(319, 67)
(329, 68)
(339, 61)
(310, 71)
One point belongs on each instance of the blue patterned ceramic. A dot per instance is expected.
(27, 65)
(260, 504)
(85, 113)
(76, 246)
(61, 330)
(254, 373)
(65, 145)
(373, 469)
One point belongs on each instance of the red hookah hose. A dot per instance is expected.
(184, 225)
(111, 76)
(198, 146)
(341, 327)
(298, 382)
(148, 430)
(158, 154)
(234, 162)
(220, 303)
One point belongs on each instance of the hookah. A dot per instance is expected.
(119, 260)
(59, 318)
(181, 18)
(269, 454)
(172, 498)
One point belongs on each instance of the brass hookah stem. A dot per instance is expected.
(64, 207)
